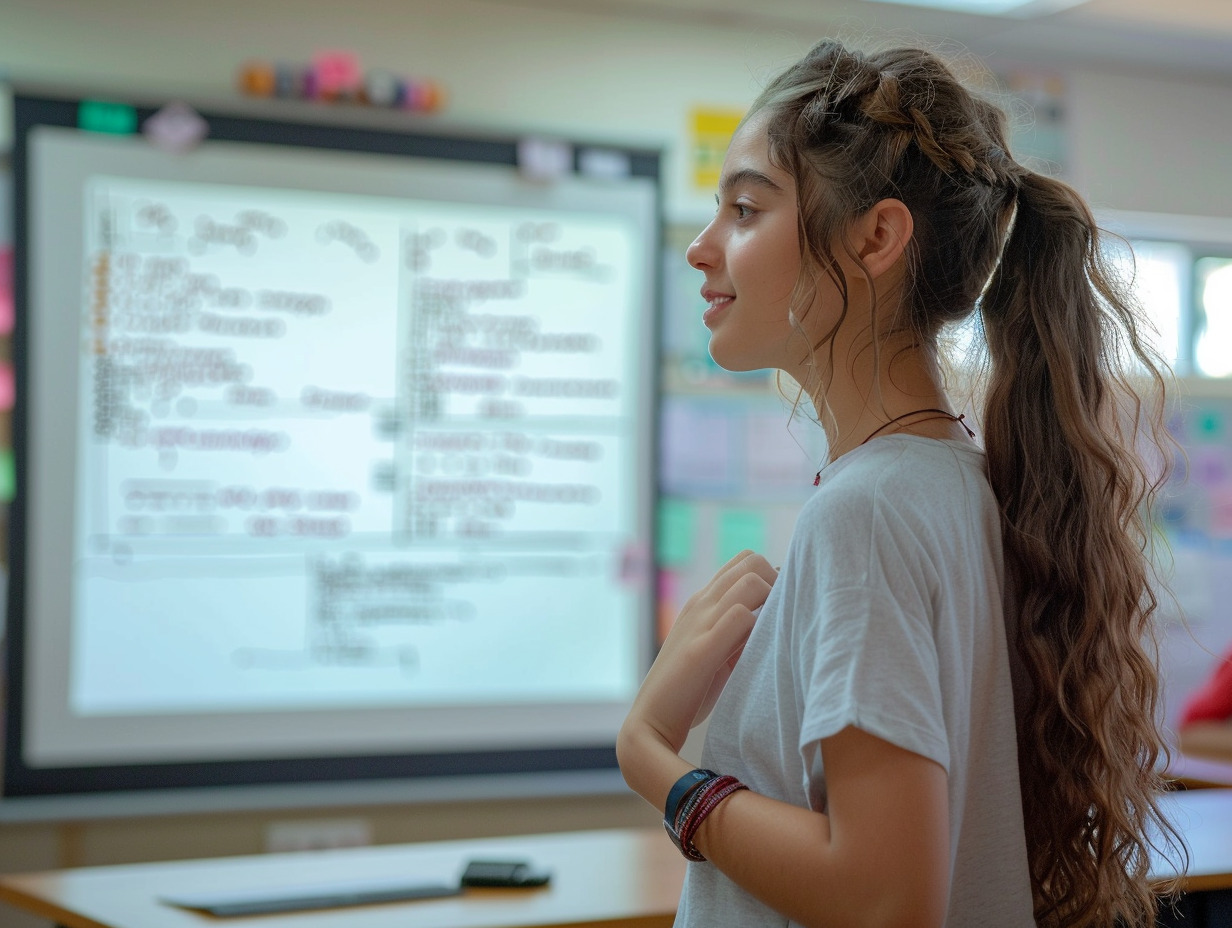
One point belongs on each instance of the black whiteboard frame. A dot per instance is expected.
(85, 791)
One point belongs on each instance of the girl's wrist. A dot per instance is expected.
(648, 764)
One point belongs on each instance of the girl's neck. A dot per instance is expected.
(906, 397)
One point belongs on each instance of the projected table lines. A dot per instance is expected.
(341, 445)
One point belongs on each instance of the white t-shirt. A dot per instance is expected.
(886, 616)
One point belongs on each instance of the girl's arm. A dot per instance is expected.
(880, 855)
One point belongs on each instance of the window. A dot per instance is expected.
(1182, 276)
(1158, 275)
(1213, 302)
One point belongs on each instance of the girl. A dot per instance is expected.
(941, 710)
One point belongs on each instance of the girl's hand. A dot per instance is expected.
(701, 651)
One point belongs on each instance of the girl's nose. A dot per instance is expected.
(702, 253)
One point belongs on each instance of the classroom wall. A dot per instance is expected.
(1136, 142)
(1151, 143)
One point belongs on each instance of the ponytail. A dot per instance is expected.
(1061, 421)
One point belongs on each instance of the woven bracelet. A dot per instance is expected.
(703, 801)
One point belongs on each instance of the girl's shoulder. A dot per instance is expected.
(901, 477)
(894, 462)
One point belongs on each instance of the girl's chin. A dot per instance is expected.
(731, 361)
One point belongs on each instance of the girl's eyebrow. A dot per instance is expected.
(747, 176)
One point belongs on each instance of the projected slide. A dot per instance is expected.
(345, 450)
(334, 445)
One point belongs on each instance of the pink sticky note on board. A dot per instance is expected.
(6, 290)
(8, 385)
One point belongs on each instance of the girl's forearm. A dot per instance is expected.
(787, 857)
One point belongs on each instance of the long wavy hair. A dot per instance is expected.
(1073, 397)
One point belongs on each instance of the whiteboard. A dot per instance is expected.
(327, 454)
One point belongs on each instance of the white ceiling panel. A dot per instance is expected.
(1182, 36)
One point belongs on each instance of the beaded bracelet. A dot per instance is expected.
(692, 811)
(684, 813)
(713, 794)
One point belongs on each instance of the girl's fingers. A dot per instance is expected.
(749, 591)
(728, 636)
(744, 564)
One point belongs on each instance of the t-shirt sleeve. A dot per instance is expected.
(868, 659)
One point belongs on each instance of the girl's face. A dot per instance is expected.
(750, 254)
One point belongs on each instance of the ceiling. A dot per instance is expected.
(1180, 36)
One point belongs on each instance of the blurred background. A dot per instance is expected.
(1129, 100)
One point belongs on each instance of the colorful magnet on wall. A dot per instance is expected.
(288, 80)
(422, 96)
(336, 74)
(176, 128)
(431, 96)
(310, 85)
(258, 79)
(411, 95)
(383, 88)
(337, 77)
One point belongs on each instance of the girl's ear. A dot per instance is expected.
(881, 235)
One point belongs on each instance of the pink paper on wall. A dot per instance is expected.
(6, 290)
(8, 386)
(1221, 513)
(669, 596)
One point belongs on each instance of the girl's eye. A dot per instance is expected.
(742, 210)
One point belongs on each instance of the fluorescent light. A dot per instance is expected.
(991, 7)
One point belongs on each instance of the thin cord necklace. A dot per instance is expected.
(940, 414)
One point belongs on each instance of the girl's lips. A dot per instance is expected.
(718, 303)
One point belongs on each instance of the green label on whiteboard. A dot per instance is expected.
(8, 475)
(100, 116)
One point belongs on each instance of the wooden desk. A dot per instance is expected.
(600, 879)
(1197, 772)
(1204, 817)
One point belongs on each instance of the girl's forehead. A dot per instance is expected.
(749, 154)
(751, 138)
